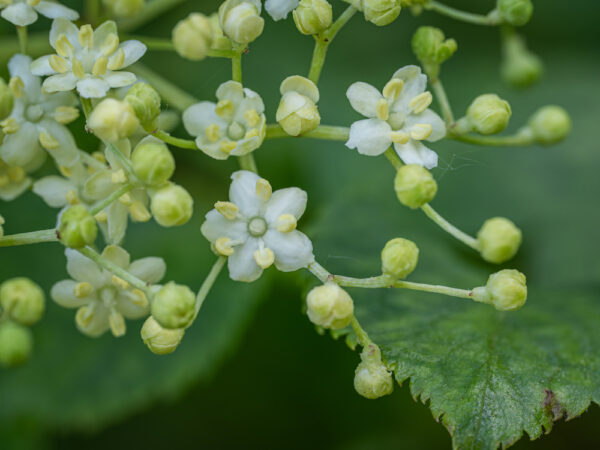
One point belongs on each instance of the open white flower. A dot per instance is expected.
(87, 60)
(13, 181)
(37, 120)
(279, 9)
(257, 228)
(25, 12)
(236, 125)
(104, 300)
(401, 116)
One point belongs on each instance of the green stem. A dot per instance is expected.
(92, 11)
(319, 271)
(90, 253)
(247, 162)
(111, 198)
(86, 105)
(393, 158)
(477, 19)
(449, 228)
(518, 140)
(236, 67)
(177, 142)
(152, 10)
(37, 44)
(327, 132)
(22, 34)
(32, 237)
(208, 283)
(171, 94)
(442, 98)
(363, 338)
(122, 159)
(164, 44)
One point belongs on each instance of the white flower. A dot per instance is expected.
(257, 228)
(87, 60)
(13, 181)
(25, 12)
(37, 120)
(400, 116)
(236, 125)
(279, 9)
(104, 300)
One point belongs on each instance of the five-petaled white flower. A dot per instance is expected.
(236, 125)
(37, 119)
(279, 9)
(400, 116)
(25, 12)
(104, 300)
(87, 60)
(257, 228)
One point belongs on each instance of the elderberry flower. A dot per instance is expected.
(372, 379)
(159, 340)
(515, 12)
(13, 181)
(152, 162)
(378, 12)
(236, 125)
(103, 299)
(37, 121)
(414, 186)
(329, 306)
(399, 258)
(400, 117)
(113, 120)
(550, 124)
(25, 12)
(257, 228)
(505, 290)
(499, 240)
(173, 306)
(279, 9)
(22, 301)
(87, 60)
(193, 37)
(488, 114)
(172, 205)
(76, 227)
(241, 21)
(313, 16)
(145, 102)
(16, 344)
(298, 113)
(124, 8)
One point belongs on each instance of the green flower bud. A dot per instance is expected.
(520, 67)
(16, 344)
(329, 306)
(193, 37)
(489, 114)
(113, 120)
(414, 186)
(313, 16)
(399, 258)
(550, 124)
(432, 48)
(515, 12)
(77, 227)
(505, 290)
(297, 112)
(160, 341)
(220, 41)
(381, 12)
(372, 379)
(152, 162)
(499, 240)
(172, 205)
(124, 8)
(145, 102)
(241, 21)
(22, 300)
(173, 306)
(6, 100)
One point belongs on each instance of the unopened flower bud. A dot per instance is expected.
(415, 186)
(550, 124)
(77, 227)
(160, 341)
(297, 112)
(381, 12)
(329, 306)
(113, 120)
(193, 37)
(489, 114)
(22, 300)
(6, 100)
(515, 12)
(123, 9)
(313, 16)
(399, 258)
(240, 20)
(16, 344)
(505, 290)
(432, 48)
(499, 240)
(520, 67)
(173, 306)
(145, 102)
(372, 379)
(172, 205)
(152, 162)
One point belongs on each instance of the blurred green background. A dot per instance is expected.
(252, 373)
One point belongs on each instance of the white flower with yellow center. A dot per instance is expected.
(400, 116)
(236, 125)
(279, 9)
(25, 12)
(37, 121)
(257, 228)
(87, 60)
(13, 181)
(103, 300)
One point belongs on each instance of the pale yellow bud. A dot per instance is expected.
(113, 120)
(193, 37)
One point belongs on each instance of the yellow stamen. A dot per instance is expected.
(421, 102)
(16, 174)
(101, 216)
(65, 171)
(139, 212)
(212, 132)
(111, 43)
(33, 2)
(138, 298)
(383, 109)
(117, 323)
(84, 315)
(227, 146)
(126, 199)
(399, 137)
(9, 126)
(63, 47)
(118, 176)
(48, 141)
(223, 246)
(227, 209)
(251, 133)
(421, 131)
(286, 223)
(117, 60)
(119, 282)
(58, 64)
(251, 117)
(100, 66)
(77, 68)
(264, 257)
(224, 108)
(86, 36)
(65, 114)
(82, 289)
(16, 86)
(99, 156)
(71, 197)
(393, 88)
(263, 189)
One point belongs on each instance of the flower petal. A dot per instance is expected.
(13, 190)
(99, 185)
(20, 14)
(231, 90)
(216, 226)
(82, 268)
(414, 152)
(92, 87)
(117, 255)
(102, 32)
(133, 50)
(285, 201)
(54, 10)
(119, 79)
(20, 148)
(129, 309)
(41, 66)
(117, 219)
(150, 269)
(415, 83)
(98, 324)
(67, 153)
(199, 116)
(60, 82)
(64, 26)
(63, 293)
(242, 266)
(370, 137)
(53, 190)
(363, 98)
(292, 250)
(242, 192)
(279, 9)
(20, 65)
(428, 117)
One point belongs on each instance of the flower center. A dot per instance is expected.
(396, 120)
(34, 113)
(236, 131)
(108, 295)
(257, 226)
